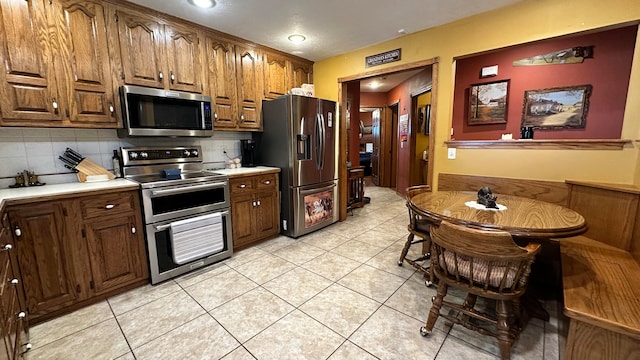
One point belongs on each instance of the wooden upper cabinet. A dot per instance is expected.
(85, 62)
(183, 58)
(300, 73)
(249, 80)
(141, 43)
(158, 55)
(28, 84)
(275, 76)
(221, 72)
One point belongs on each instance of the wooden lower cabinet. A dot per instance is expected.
(255, 208)
(73, 252)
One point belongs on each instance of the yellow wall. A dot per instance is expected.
(527, 21)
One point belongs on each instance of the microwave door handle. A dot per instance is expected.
(182, 190)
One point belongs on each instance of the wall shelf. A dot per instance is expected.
(572, 144)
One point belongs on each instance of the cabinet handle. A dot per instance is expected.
(111, 108)
(173, 77)
(17, 231)
(258, 202)
(267, 182)
(242, 117)
(22, 315)
(160, 75)
(54, 103)
(254, 204)
(133, 230)
(109, 206)
(215, 115)
(7, 247)
(14, 281)
(242, 186)
(78, 288)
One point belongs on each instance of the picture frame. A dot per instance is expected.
(556, 108)
(488, 103)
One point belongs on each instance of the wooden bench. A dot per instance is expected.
(601, 273)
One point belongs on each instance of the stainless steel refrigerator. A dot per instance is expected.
(299, 136)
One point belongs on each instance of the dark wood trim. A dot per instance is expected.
(577, 144)
(390, 70)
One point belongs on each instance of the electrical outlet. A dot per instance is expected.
(451, 153)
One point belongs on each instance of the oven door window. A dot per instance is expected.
(189, 200)
(148, 112)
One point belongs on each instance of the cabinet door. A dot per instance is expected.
(275, 78)
(28, 85)
(221, 73)
(300, 73)
(242, 213)
(85, 62)
(44, 247)
(141, 43)
(183, 55)
(267, 214)
(249, 80)
(116, 252)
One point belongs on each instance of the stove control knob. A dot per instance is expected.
(187, 153)
(144, 155)
(194, 152)
(133, 155)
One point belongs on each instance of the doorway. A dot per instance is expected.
(396, 135)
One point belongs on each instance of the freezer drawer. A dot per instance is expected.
(314, 207)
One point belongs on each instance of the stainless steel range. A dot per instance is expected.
(186, 209)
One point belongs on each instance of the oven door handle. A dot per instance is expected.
(166, 226)
(182, 190)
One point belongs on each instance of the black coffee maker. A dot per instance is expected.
(248, 152)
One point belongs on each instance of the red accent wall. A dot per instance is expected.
(373, 99)
(608, 72)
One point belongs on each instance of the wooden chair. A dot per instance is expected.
(418, 227)
(486, 264)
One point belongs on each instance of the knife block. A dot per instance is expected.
(87, 167)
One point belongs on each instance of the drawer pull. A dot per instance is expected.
(254, 204)
(14, 281)
(267, 182)
(18, 232)
(109, 206)
(258, 202)
(242, 186)
(133, 230)
(22, 315)
(7, 247)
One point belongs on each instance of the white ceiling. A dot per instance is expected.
(332, 27)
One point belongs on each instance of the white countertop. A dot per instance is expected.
(61, 189)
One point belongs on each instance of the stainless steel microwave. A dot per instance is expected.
(158, 112)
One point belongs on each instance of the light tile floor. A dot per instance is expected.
(335, 294)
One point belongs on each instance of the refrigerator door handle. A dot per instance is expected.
(323, 140)
(318, 142)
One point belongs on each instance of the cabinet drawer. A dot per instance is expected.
(241, 185)
(267, 182)
(107, 204)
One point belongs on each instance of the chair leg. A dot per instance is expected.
(405, 250)
(434, 313)
(504, 340)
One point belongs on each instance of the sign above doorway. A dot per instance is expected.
(383, 58)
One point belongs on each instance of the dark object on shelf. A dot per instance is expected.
(526, 132)
(26, 178)
(486, 198)
(248, 152)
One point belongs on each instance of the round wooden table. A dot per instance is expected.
(523, 217)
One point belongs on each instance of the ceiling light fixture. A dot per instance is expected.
(296, 38)
(202, 3)
(374, 85)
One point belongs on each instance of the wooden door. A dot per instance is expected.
(28, 84)
(300, 73)
(249, 80)
(242, 219)
(375, 155)
(116, 252)
(44, 247)
(84, 62)
(183, 58)
(221, 74)
(141, 43)
(267, 214)
(275, 76)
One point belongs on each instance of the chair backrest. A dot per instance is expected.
(416, 219)
(487, 260)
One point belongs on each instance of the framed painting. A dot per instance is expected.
(488, 103)
(556, 108)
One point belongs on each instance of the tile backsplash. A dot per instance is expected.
(37, 150)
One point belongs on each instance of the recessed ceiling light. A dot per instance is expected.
(297, 52)
(297, 38)
(202, 3)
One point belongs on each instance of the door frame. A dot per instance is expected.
(342, 101)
